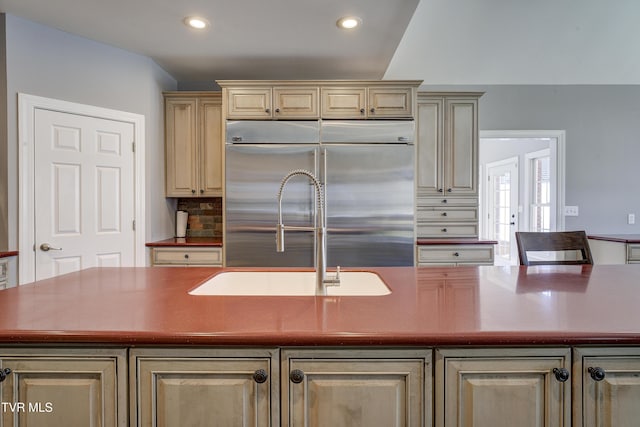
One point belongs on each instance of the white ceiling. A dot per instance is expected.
(447, 42)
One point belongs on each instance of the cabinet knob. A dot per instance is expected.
(362, 111)
(296, 376)
(201, 191)
(448, 190)
(561, 374)
(186, 256)
(444, 230)
(266, 110)
(456, 254)
(193, 191)
(444, 201)
(277, 110)
(596, 373)
(372, 110)
(3, 374)
(439, 190)
(444, 214)
(260, 376)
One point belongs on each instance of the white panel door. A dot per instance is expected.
(84, 193)
(502, 209)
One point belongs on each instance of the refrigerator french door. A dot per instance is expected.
(368, 193)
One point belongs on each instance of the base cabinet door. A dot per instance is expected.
(503, 387)
(610, 392)
(202, 388)
(75, 388)
(351, 389)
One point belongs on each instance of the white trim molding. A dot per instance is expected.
(558, 149)
(27, 106)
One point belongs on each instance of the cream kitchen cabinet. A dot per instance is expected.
(607, 384)
(459, 254)
(63, 386)
(204, 387)
(367, 102)
(365, 387)
(272, 102)
(447, 165)
(503, 387)
(181, 256)
(193, 141)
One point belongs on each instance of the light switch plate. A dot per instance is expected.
(631, 218)
(570, 211)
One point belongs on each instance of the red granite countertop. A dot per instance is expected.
(622, 238)
(428, 306)
(187, 241)
(7, 254)
(455, 242)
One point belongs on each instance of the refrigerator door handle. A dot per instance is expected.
(323, 181)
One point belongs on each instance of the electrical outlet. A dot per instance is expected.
(631, 218)
(570, 211)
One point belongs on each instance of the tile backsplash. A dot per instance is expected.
(205, 216)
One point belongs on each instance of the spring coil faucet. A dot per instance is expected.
(318, 228)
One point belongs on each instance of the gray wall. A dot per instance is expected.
(46, 62)
(602, 124)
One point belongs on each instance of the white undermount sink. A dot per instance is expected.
(290, 283)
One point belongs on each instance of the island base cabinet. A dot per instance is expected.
(356, 388)
(204, 387)
(503, 387)
(610, 387)
(63, 387)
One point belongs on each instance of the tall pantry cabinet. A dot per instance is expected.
(194, 148)
(447, 180)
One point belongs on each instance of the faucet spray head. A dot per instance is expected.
(279, 237)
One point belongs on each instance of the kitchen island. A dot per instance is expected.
(416, 355)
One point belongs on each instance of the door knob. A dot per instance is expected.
(47, 247)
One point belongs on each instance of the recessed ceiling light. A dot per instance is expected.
(196, 22)
(349, 22)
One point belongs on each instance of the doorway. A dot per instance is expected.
(502, 208)
(540, 186)
(81, 193)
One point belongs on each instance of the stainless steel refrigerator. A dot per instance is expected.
(367, 171)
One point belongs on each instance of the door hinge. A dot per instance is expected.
(133, 147)
(134, 225)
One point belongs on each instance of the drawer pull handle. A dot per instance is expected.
(444, 230)
(444, 201)
(561, 374)
(596, 373)
(296, 376)
(444, 214)
(260, 376)
(3, 374)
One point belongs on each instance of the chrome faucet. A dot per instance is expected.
(321, 236)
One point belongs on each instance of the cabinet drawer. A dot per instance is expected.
(183, 256)
(443, 214)
(633, 252)
(445, 201)
(444, 230)
(455, 253)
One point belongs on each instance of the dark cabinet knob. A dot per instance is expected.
(444, 214)
(561, 374)
(444, 201)
(260, 376)
(193, 191)
(596, 373)
(3, 374)
(362, 111)
(266, 110)
(456, 254)
(277, 110)
(296, 376)
(373, 110)
(444, 230)
(186, 256)
(201, 191)
(448, 190)
(439, 190)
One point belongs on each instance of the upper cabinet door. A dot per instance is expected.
(211, 147)
(295, 103)
(344, 103)
(181, 146)
(461, 147)
(250, 103)
(429, 147)
(390, 102)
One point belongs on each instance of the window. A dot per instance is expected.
(540, 207)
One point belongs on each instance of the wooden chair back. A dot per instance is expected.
(553, 242)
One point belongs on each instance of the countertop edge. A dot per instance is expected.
(425, 242)
(621, 238)
(7, 254)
